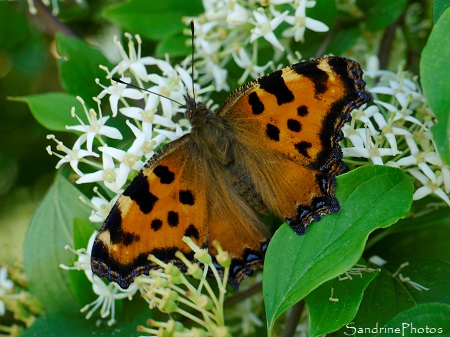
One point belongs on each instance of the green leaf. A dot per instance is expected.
(435, 79)
(383, 299)
(53, 110)
(387, 296)
(371, 197)
(431, 319)
(430, 273)
(49, 231)
(57, 324)
(429, 242)
(343, 39)
(156, 20)
(79, 66)
(439, 7)
(327, 316)
(380, 14)
(175, 46)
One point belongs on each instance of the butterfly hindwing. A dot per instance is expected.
(291, 120)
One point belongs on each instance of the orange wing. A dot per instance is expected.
(175, 195)
(287, 129)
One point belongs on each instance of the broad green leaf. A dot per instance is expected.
(429, 242)
(382, 300)
(327, 316)
(58, 324)
(387, 296)
(371, 197)
(49, 231)
(380, 14)
(430, 273)
(343, 39)
(79, 66)
(175, 46)
(435, 79)
(439, 7)
(430, 319)
(156, 20)
(53, 110)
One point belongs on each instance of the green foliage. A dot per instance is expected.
(49, 231)
(296, 265)
(157, 21)
(50, 109)
(79, 66)
(435, 78)
(439, 7)
(381, 13)
(327, 315)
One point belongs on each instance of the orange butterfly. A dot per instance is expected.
(272, 147)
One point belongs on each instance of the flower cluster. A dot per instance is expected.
(232, 30)
(151, 119)
(107, 294)
(169, 290)
(16, 301)
(395, 131)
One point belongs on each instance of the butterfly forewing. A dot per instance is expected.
(291, 121)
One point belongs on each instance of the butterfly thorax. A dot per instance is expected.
(215, 138)
(210, 133)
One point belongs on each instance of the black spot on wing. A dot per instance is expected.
(255, 103)
(164, 174)
(317, 76)
(302, 148)
(156, 224)
(129, 238)
(274, 84)
(192, 232)
(294, 125)
(186, 197)
(172, 219)
(273, 132)
(113, 224)
(139, 191)
(302, 111)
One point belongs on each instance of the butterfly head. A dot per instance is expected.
(196, 112)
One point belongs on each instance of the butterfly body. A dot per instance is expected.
(273, 146)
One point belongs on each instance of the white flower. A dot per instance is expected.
(5, 287)
(96, 127)
(101, 206)
(244, 62)
(107, 294)
(264, 27)
(300, 22)
(130, 159)
(150, 142)
(74, 155)
(108, 174)
(118, 91)
(133, 60)
(237, 14)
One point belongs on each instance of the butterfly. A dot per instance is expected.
(273, 146)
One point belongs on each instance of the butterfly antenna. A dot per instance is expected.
(193, 59)
(152, 92)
